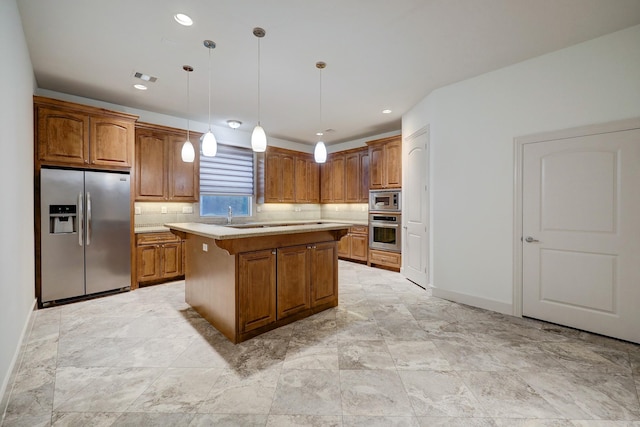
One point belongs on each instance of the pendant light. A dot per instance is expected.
(209, 143)
(188, 153)
(320, 152)
(259, 137)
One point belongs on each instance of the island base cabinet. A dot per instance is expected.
(294, 280)
(257, 289)
(324, 273)
(244, 293)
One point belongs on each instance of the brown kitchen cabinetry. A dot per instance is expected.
(385, 163)
(294, 280)
(256, 289)
(344, 178)
(357, 176)
(69, 134)
(391, 260)
(286, 176)
(324, 274)
(355, 245)
(161, 175)
(307, 179)
(275, 284)
(159, 257)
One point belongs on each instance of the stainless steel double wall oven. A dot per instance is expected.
(385, 220)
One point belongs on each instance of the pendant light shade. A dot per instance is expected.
(209, 143)
(259, 137)
(188, 154)
(320, 153)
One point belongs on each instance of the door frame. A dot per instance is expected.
(519, 143)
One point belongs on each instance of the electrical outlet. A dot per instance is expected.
(205, 247)
(259, 208)
(163, 209)
(138, 210)
(364, 208)
(187, 209)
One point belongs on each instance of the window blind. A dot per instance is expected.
(229, 172)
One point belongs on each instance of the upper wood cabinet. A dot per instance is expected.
(160, 173)
(357, 176)
(286, 176)
(385, 162)
(307, 179)
(279, 176)
(345, 177)
(69, 134)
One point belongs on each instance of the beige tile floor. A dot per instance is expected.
(389, 355)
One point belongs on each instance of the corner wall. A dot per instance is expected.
(17, 295)
(473, 125)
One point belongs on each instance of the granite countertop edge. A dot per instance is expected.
(223, 232)
(140, 229)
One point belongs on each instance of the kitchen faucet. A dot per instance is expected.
(229, 215)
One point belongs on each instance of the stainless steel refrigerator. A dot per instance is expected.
(85, 233)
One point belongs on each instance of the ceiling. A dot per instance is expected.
(380, 54)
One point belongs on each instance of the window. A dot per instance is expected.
(226, 180)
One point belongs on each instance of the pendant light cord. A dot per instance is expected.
(188, 72)
(209, 89)
(320, 130)
(259, 107)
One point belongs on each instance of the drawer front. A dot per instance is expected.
(390, 259)
(155, 238)
(359, 229)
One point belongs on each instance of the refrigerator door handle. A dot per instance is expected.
(88, 218)
(80, 219)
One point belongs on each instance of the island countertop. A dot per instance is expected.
(240, 231)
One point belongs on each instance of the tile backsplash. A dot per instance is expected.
(158, 213)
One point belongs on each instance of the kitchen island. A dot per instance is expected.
(247, 279)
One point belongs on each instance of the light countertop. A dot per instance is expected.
(156, 228)
(225, 232)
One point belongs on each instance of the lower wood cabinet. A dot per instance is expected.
(257, 289)
(275, 284)
(294, 280)
(391, 260)
(159, 257)
(355, 245)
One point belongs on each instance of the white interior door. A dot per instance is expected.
(581, 232)
(415, 208)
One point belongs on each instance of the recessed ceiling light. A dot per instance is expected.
(387, 111)
(183, 19)
(140, 87)
(234, 124)
(319, 133)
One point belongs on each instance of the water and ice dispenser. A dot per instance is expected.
(63, 219)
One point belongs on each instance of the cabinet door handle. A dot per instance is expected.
(273, 252)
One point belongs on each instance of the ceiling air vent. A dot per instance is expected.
(145, 77)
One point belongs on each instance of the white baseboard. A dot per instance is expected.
(13, 366)
(472, 300)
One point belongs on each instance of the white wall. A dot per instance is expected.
(473, 125)
(17, 84)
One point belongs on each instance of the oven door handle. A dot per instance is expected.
(383, 224)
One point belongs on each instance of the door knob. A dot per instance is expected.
(530, 239)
